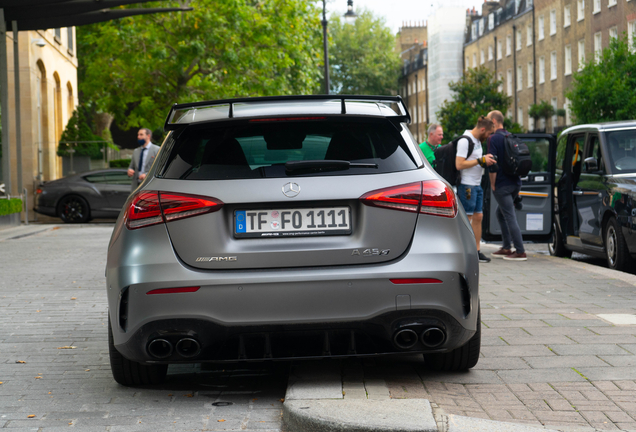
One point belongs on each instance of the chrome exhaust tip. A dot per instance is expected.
(433, 337)
(160, 348)
(405, 339)
(188, 347)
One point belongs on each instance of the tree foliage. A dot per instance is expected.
(362, 56)
(605, 90)
(135, 68)
(78, 129)
(475, 94)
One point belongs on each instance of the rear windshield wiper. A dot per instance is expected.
(325, 165)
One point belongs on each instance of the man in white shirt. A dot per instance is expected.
(471, 164)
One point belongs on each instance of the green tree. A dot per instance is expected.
(541, 110)
(78, 129)
(362, 56)
(135, 68)
(605, 90)
(475, 95)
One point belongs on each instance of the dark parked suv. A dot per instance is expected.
(290, 227)
(595, 193)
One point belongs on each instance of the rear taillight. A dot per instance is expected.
(432, 197)
(151, 207)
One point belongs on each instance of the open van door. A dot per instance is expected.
(537, 192)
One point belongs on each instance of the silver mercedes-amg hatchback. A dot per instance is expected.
(290, 227)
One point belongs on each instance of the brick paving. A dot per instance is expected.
(54, 368)
(546, 358)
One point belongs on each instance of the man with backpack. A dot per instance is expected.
(505, 184)
(469, 160)
(433, 141)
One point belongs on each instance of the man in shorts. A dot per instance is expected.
(469, 190)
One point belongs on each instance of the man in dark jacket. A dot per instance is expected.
(505, 189)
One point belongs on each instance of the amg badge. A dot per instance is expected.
(208, 259)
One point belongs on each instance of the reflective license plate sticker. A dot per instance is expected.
(300, 222)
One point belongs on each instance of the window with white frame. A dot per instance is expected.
(581, 54)
(541, 70)
(490, 54)
(71, 40)
(423, 83)
(473, 31)
(529, 35)
(467, 63)
(518, 40)
(567, 67)
(500, 79)
(553, 25)
(541, 30)
(508, 45)
(530, 74)
(491, 21)
(555, 119)
(611, 3)
(509, 82)
(580, 10)
(553, 65)
(520, 116)
(519, 78)
(530, 122)
(499, 55)
(482, 26)
(597, 46)
(566, 107)
(567, 17)
(613, 33)
(631, 33)
(474, 60)
(596, 6)
(482, 57)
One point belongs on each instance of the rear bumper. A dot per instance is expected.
(289, 304)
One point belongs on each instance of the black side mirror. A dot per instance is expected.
(590, 164)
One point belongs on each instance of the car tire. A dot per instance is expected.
(556, 245)
(459, 359)
(616, 252)
(130, 373)
(73, 209)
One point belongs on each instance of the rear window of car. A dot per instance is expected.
(262, 149)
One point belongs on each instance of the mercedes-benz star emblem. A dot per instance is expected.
(290, 190)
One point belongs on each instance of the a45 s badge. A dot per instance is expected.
(370, 252)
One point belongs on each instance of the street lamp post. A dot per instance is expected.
(349, 16)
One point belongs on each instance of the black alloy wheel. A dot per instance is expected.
(556, 245)
(73, 209)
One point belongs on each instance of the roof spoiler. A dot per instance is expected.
(218, 110)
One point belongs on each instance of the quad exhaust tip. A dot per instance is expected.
(433, 337)
(405, 339)
(188, 347)
(160, 348)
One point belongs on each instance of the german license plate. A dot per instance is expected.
(300, 222)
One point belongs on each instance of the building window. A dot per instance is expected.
(597, 6)
(568, 60)
(482, 26)
(566, 107)
(490, 54)
(519, 78)
(509, 82)
(597, 46)
(499, 51)
(474, 60)
(71, 44)
(553, 65)
(467, 63)
(530, 75)
(567, 18)
(631, 32)
(581, 54)
(541, 70)
(58, 35)
(580, 10)
(613, 33)
(518, 40)
(508, 45)
(491, 21)
(553, 22)
(555, 119)
(500, 79)
(541, 28)
(520, 116)
(482, 58)
(529, 35)
(473, 31)
(611, 3)
(530, 122)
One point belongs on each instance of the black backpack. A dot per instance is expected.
(445, 160)
(517, 160)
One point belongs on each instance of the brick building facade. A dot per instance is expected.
(534, 47)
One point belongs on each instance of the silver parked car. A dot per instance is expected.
(290, 227)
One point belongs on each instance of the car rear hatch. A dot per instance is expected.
(291, 193)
